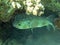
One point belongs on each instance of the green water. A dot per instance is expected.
(10, 35)
(40, 36)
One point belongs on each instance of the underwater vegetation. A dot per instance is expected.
(53, 5)
(6, 10)
(8, 7)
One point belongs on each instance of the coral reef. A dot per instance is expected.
(34, 7)
(8, 7)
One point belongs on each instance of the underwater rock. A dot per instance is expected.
(57, 23)
(30, 22)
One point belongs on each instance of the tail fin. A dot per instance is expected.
(54, 28)
(52, 18)
(51, 27)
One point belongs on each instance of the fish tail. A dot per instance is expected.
(53, 26)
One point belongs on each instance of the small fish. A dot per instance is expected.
(29, 22)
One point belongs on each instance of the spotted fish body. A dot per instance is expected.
(30, 22)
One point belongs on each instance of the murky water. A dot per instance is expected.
(40, 36)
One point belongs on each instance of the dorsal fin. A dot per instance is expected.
(51, 18)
